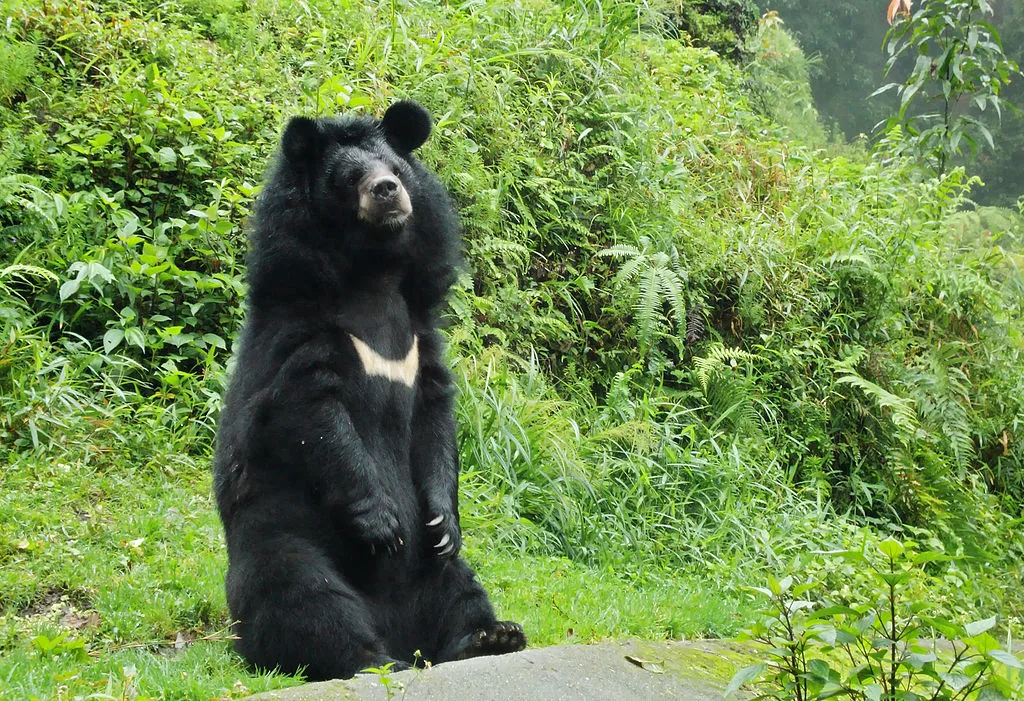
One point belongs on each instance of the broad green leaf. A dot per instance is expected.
(101, 140)
(820, 669)
(180, 339)
(830, 611)
(165, 156)
(154, 270)
(891, 548)
(979, 627)
(826, 634)
(930, 556)
(802, 589)
(745, 675)
(135, 337)
(215, 340)
(194, 118)
(1006, 658)
(955, 681)
(983, 643)
(359, 100)
(918, 660)
(69, 288)
(865, 622)
(987, 134)
(894, 578)
(112, 339)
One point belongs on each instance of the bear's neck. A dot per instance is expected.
(374, 280)
(285, 276)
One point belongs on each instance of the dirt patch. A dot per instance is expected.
(71, 608)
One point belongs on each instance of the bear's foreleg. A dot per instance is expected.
(351, 481)
(322, 439)
(435, 454)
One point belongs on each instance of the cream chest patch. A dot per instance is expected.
(403, 370)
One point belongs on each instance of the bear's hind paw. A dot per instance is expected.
(499, 638)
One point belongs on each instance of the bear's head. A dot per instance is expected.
(356, 173)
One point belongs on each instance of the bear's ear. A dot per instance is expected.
(407, 125)
(300, 139)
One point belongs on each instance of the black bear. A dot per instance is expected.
(336, 470)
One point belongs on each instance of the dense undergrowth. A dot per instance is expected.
(692, 349)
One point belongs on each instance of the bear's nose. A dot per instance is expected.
(385, 187)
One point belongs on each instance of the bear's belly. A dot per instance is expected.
(383, 419)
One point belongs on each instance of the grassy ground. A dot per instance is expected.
(692, 350)
(112, 578)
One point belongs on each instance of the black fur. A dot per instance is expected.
(338, 489)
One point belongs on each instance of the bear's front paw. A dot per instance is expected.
(444, 537)
(376, 523)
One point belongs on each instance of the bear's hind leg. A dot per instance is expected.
(294, 612)
(458, 610)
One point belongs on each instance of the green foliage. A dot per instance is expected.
(959, 68)
(655, 281)
(392, 686)
(721, 25)
(780, 80)
(886, 644)
(1000, 169)
(17, 64)
(164, 289)
(689, 346)
(845, 39)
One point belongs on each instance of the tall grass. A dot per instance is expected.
(690, 348)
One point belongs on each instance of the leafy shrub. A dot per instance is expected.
(779, 82)
(890, 643)
(721, 25)
(17, 64)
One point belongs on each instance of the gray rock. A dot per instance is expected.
(618, 671)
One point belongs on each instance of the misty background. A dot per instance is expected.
(843, 43)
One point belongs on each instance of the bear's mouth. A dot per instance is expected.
(391, 221)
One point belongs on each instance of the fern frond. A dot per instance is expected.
(941, 391)
(648, 314)
(630, 270)
(717, 358)
(852, 360)
(620, 250)
(673, 292)
(28, 271)
(901, 409)
(509, 251)
(721, 354)
(650, 278)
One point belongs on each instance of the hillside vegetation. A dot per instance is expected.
(692, 350)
